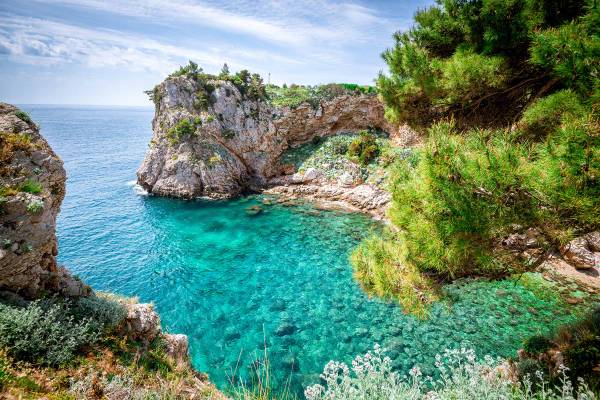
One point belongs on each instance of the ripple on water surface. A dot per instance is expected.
(233, 281)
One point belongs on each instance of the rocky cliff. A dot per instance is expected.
(233, 142)
(32, 187)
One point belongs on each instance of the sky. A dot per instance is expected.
(107, 52)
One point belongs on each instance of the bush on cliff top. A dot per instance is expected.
(52, 331)
(294, 95)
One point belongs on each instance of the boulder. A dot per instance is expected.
(176, 347)
(142, 322)
(583, 252)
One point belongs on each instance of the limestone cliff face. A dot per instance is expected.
(235, 141)
(32, 187)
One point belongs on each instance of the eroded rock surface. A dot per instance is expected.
(235, 143)
(583, 252)
(32, 187)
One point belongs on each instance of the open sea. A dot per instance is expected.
(237, 283)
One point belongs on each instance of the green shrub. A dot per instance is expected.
(228, 133)
(529, 369)
(466, 76)
(295, 95)
(23, 116)
(583, 356)
(364, 148)
(571, 52)
(485, 59)
(30, 186)
(35, 206)
(43, 334)
(52, 331)
(5, 376)
(537, 344)
(183, 128)
(545, 116)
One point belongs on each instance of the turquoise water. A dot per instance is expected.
(234, 281)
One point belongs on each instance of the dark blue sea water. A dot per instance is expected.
(233, 281)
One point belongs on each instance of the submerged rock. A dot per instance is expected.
(254, 210)
(285, 329)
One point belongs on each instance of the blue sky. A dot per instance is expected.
(110, 51)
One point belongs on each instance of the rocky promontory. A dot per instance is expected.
(32, 188)
(218, 138)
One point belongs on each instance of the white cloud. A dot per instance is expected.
(42, 42)
(287, 22)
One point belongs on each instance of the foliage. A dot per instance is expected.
(461, 376)
(23, 116)
(227, 133)
(466, 56)
(467, 76)
(183, 128)
(571, 52)
(364, 148)
(579, 344)
(537, 344)
(546, 115)
(528, 71)
(9, 144)
(378, 269)
(51, 331)
(294, 95)
(330, 156)
(30, 186)
(35, 206)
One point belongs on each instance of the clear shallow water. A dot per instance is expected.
(232, 281)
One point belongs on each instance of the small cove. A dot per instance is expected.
(233, 281)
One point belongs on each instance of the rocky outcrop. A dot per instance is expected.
(234, 143)
(360, 198)
(583, 252)
(32, 187)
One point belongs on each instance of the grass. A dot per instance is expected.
(23, 116)
(30, 186)
(260, 386)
